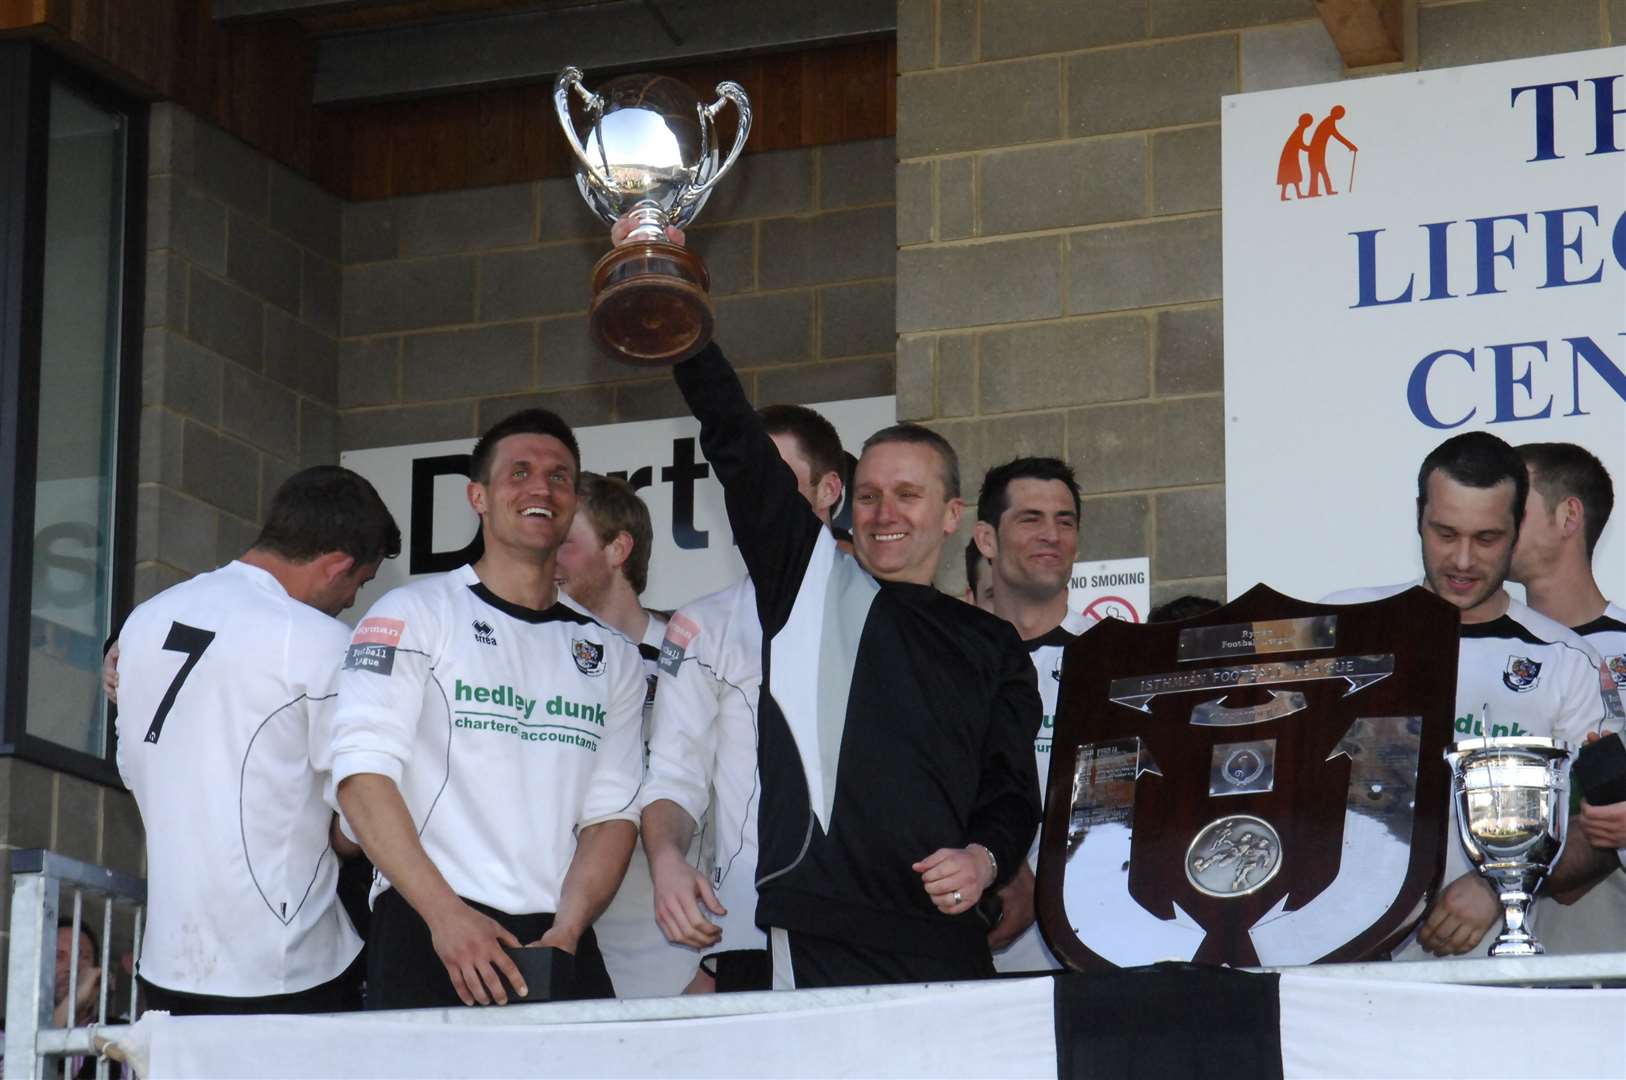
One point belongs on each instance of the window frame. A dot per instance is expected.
(27, 73)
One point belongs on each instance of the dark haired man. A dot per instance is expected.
(979, 577)
(1518, 672)
(225, 680)
(603, 566)
(896, 723)
(1572, 498)
(485, 751)
(1027, 528)
(703, 744)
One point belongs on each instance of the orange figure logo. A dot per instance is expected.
(1290, 172)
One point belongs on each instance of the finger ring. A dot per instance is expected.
(956, 896)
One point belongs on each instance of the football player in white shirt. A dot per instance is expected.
(1027, 529)
(225, 679)
(486, 748)
(604, 567)
(1572, 498)
(703, 744)
(1531, 675)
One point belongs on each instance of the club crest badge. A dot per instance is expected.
(1617, 668)
(589, 656)
(1521, 674)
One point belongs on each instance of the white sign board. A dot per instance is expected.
(1461, 266)
(1114, 589)
(425, 485)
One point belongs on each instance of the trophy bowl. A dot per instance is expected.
(648, 152)
(1512, 803)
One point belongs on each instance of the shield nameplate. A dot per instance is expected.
(1260, 785)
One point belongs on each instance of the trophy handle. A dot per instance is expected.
(571, 79)
(727, 92)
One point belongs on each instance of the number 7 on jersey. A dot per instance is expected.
(182, 639)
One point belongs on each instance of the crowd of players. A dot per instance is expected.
(828, 773)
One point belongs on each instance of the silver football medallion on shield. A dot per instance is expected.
(1233, 856)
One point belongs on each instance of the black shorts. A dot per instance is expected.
(405, 972)
(739, 970)
(342, 994)
(818, 961)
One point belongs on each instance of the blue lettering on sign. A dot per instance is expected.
(1544, 96)
(1512, 372)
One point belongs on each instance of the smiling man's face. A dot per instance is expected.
(902, 512)
(530, 498)
(1037, 538)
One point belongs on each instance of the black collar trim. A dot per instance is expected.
(1601, 624)
(1056, 635)
(1502, 626)
(559, 612)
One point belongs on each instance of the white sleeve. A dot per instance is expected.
(618, 768)
(1588, 694)
(683, 731)
(380, 686)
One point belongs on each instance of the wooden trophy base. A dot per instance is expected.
(650, 303)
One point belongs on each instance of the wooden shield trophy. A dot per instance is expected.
(1262, 785)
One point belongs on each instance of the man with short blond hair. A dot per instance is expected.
(604, 567)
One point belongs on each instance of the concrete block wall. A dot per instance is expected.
(1058, 193)
(460, 308)
(240, 373)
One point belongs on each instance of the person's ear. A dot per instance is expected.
(987, 540)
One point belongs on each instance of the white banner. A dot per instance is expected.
(1450, 255)
(425, 484)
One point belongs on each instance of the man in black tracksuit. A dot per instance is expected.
(896, 724)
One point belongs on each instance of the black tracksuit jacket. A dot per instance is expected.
(894, 720)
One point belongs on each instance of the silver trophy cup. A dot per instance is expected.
(647, 151)
(1512, 802)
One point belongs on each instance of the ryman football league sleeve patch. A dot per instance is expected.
(373, 645)
(680, 634)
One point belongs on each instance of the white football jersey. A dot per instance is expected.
(222, 681)
(1029, 952)
(507, 730)
(1596, 922)
(703, 745)
(641, 961)
(1523, 674)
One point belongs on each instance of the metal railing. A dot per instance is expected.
(38, 880)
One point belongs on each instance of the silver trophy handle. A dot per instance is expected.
(571, 79)
(727, 92)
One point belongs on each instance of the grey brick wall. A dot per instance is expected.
(1059, 233)
(241, 355)
(459, 308)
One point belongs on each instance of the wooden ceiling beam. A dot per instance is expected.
(1371, 33)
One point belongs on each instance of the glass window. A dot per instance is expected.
(71, 593)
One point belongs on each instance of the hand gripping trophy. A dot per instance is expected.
(648, 151)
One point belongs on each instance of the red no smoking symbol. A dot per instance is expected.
(1112, 607)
